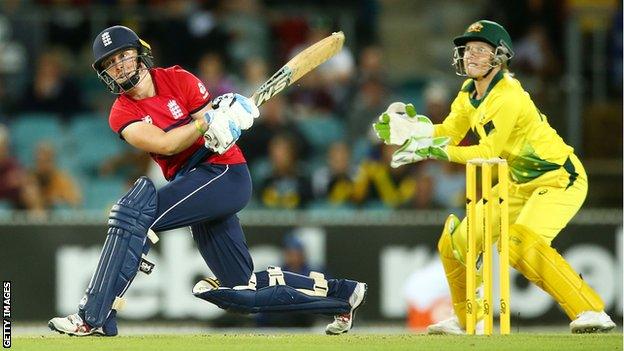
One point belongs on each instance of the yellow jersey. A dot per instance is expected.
(509, 126)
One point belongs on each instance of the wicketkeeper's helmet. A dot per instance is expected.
(488, 32)
(112, 40)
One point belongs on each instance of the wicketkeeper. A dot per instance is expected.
(547, 184)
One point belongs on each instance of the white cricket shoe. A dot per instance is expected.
(591, 322)
(451, 326)
(73, 325)
(344, 322)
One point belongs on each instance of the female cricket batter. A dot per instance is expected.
(547, 181)
(168, 113)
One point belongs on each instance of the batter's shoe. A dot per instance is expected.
(73, 325)
(592, 322)
(344, 322)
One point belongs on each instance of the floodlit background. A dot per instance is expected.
(325, 197)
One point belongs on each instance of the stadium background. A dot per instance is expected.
(321, 182)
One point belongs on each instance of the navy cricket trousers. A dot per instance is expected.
(207, 199)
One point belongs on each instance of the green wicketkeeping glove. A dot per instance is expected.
(400, 122)
(417, 149)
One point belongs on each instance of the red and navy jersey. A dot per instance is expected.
(178, 95)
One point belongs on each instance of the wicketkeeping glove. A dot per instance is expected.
(400, 122)
(417, 149)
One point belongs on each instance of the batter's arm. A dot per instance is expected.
(147, 137)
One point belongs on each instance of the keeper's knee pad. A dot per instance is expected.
(445, 244)
(129, 221)
(454, 269)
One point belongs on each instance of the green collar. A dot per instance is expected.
(470, 88)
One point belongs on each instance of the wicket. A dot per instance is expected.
(486, 244)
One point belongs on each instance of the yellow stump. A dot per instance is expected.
(471, 257)
(486, 195)
(503, 249)
(486, 244)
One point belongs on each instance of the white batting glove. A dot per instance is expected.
(400, 122)
(222, 131)
(239, 108)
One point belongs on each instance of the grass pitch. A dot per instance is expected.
(232, 342)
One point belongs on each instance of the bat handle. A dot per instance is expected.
(254, 98)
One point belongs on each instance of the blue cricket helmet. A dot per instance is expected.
(112, 40)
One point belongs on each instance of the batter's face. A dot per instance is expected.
(478, 58)
(121, 65)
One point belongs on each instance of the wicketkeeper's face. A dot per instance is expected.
(121, 65)
(478, 58)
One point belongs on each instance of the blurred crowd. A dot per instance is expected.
(312, 146)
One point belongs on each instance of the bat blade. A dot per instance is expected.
(298, 66)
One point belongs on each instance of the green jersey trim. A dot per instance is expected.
(470, 88)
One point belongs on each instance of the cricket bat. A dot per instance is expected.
(298, 66)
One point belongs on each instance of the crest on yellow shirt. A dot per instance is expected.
(475, 27)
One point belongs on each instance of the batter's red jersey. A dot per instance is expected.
(178, 95)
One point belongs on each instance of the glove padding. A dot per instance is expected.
(400, 122)
(230, 114)
(222, 131)
(417, 149)
(239, 108)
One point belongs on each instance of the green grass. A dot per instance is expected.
(232, 342)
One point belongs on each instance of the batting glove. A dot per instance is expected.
(239, 108)
(417, 149)
(222, 131)
(400, 122)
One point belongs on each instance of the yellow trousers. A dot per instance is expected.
(537, 213)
